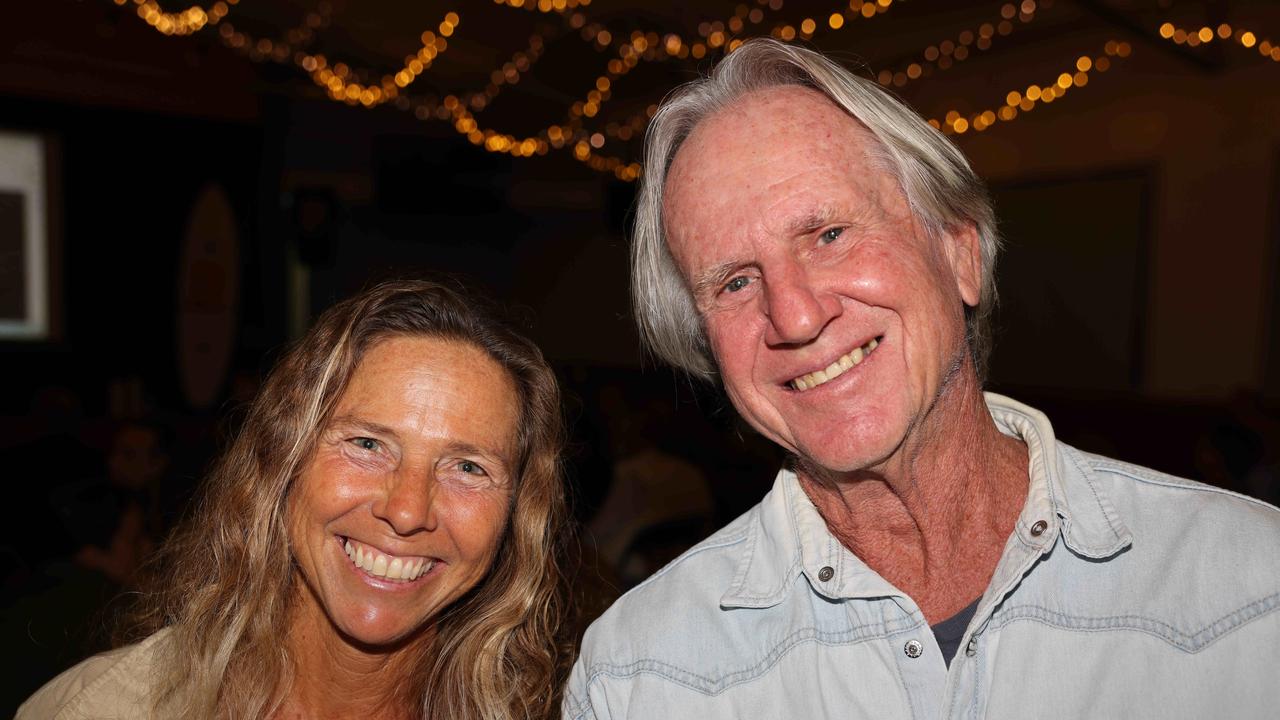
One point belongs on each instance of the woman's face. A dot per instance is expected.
(401, 508)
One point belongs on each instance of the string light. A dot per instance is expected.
(184, 22)
(1017, 103)
(342, 83)
(349, 85)
(808, 27)
(946, 53)
(1206, 35)
(544, 6)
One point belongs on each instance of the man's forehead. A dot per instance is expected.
(792, 120)
(748, 146)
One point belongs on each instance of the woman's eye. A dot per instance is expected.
(737, 284)
(471, 468)
(365, 443)
(831, 235)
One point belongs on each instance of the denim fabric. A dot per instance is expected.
(1146, 596)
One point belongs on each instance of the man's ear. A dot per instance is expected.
(964, 252)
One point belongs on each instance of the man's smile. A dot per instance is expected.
(838, 367)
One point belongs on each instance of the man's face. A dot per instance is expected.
(835, 319)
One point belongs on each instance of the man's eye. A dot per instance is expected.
(831, 235)
(737, 284)
(365, 443)
(471, 468)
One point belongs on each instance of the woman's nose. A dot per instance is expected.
(408, 503)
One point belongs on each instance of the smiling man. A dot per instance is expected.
(929, 551)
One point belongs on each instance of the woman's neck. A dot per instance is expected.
(334, 677)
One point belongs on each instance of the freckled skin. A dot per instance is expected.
(800, 248)
(808, 302)
(416, 461)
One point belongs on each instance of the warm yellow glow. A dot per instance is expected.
(836, 21)
(1205, 34)
(1013, 98)
(1166, 31)
(807, 26)
(1248, 39)
(961, 125)
(1084, 63)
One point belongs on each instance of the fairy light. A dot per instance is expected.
(544, 6)
(945, 54)
(1206, 34)
(1021, 102)
(808, 27)
(353, 86)
(184, 22)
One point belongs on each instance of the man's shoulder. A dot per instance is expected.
(1186, 530)
(674, 603)
(1142, 491)
(114, 684)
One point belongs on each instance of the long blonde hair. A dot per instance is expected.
(224, 582)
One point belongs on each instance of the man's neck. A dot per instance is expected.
(934, 518)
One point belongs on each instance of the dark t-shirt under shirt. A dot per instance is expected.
(950, 632)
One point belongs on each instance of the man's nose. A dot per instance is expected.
(408, 503)
(797, 308)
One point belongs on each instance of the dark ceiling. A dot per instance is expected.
(533, 79)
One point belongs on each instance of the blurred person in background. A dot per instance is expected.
(379, 540)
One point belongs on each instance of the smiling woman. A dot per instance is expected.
(378, 540)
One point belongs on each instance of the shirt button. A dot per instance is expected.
(826, 573)
(913, 648)
(1038, 528)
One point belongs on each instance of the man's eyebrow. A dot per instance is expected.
(710, 279)
(358, 423)
(810, 221)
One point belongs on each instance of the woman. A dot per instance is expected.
(378, 540)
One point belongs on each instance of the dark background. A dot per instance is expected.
(1139, 288)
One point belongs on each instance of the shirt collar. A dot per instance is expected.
(789, 537)
(1064, 493)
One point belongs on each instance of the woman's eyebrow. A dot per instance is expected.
(502, 456)
(357, 423)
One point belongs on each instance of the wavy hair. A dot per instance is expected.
(940, 187)
(224, 582)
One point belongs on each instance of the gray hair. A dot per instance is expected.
(942, 190)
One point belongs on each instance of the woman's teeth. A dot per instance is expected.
(835, 369)
(386, 566)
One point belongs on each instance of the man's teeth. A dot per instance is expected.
(386, 566)
(835, 369)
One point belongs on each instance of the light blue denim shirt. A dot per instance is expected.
(1122, 593)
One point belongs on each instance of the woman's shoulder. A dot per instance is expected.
(115, 684)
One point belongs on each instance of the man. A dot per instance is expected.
(929, 551)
